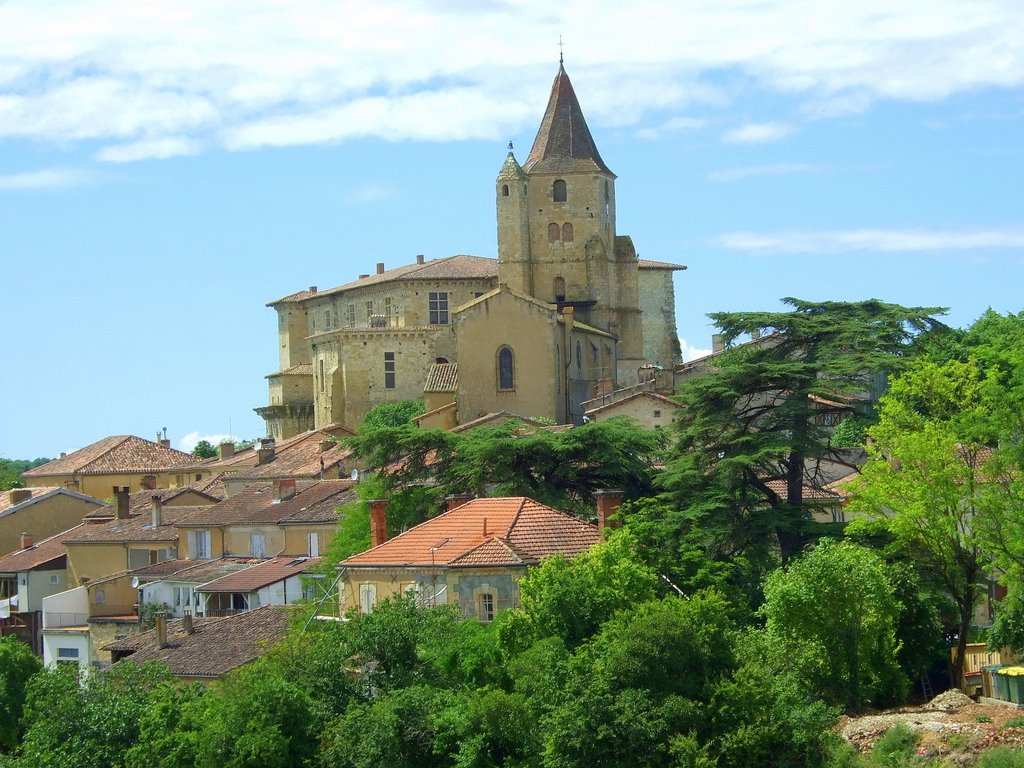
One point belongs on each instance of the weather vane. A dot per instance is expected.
(560, 50)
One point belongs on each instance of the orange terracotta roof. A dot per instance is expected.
(45, 552)
(117, 454)
(514, 528)
(260, 575)
(810, 493)
(215, 647)
(135, 528)
(300, 457)
(442, 377)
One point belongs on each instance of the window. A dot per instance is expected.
(387, 306)
(554, 232)
(199, 545)
(485, 607)
(504, 190)
(67, 653)
(54, 578)
(101, 597)
(389, 370)
(558, 191)
(314, 544)
(327, 320)
(567, 232)
(438, 307)
(258, 545)
(506, 369)
(657, 413)
(559, 288)
(182, 597)
(369, 310)
(351, 315)
(367, 597)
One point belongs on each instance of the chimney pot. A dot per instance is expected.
(608, 503)
(456, 500)
(186, 623)
(284, 488)
(419, 258)
(18, 495)
(157, 514)
(27, 540)
(148, 483)
(380, 267)
(161, 631)
(121, 502)
(226, 450)
(378, 521)
(312, 289)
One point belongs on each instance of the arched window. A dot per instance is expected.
(554, 232)
(504, 190)
(567, 232)
(506, 369)
(559, 289)
(558, 191)
(441, 360)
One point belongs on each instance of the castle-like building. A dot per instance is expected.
(565, 312)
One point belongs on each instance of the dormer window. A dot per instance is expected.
(558, 191)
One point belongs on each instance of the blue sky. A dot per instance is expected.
(168, 168)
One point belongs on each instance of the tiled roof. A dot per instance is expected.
(211, 486)
(494, 419)
(302, 369)
(442, 377)
(811, 494)
(564, 143)
(118, 454)
(300, 457)
(314, 502)
(35, 495)
(141, 502)
(511, 170)
(648, 264)
(259, 576)
(459, 267)
(512, 530)
(135, 528)
(40, 554)
(660, 399)
(216, 646)
(194, 571)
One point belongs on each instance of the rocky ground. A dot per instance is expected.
(952, 726)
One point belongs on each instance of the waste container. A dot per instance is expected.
(989, 681)
(1014, 677)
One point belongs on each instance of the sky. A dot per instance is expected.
(167, 168)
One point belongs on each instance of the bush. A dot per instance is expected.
(896, 747)
(1001, 757)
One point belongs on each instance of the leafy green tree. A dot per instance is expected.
(748, 437)
(833, 615)
(169, 728)
(204, 449)
(392, 414)
(17, 665)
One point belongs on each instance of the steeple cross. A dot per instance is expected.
(560, 50)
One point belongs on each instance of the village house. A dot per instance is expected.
(37, 513)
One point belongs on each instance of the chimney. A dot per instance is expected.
(380, 267)
(284, 488)
(186, 623)
(18, 495)
(265, 453)
(121, 502)
(63, 454)
(419, 258)
(717, 343)
(161, 631)
(312, 289)
(608, 503)
(378, 522)
(325, 445)
(226, 449)
(27, 540)
(456, 500)
(148, 483)
(158, 507)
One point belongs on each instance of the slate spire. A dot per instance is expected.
(564, 143)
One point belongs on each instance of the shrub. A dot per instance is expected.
(896, 746)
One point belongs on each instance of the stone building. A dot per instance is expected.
(566, 311)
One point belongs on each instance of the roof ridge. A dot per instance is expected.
(515, 518)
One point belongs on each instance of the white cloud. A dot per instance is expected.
(264, 73)
(882, 240)
(371, 193)
(675, 125)
(757, 133)
(773, 169)
(692, 353)
(47, 178)
(187, 442)
(156, 149)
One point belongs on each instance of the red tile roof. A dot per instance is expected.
(117, 454)
(300, 457)
(215, 648)
(141, 502)
(135, 528)
(442, 377)
(260, 575)
(512, 530)
(811, 494)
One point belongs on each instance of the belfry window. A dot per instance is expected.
(558, 191)
(506, 369)
(554, 232)
(567, 232)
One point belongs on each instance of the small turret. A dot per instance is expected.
(513, 225)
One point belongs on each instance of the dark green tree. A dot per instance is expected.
(391, 414)
(17, 665)
(204, 449)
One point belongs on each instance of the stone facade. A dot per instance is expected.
(566, 311)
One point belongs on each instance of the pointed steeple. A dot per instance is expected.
(564, 143)
(511, 170)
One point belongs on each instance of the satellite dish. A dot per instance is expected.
(135, 582)
(355, 475)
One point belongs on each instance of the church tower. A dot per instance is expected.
(514, 267)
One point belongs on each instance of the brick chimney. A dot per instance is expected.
(378, 522)
(148, 483)
(161, 631)
(226, 450)
(419, 258)
(121, 502)
(284, 488)
(456, 500)
(380, 267)
(157, 512)
(18, 495)
(608, 503)
(27, 540)
(265, 453)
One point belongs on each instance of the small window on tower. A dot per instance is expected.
(567, 232)
(554, 232)
(389, 370)
(558, 191)
(559, 289)
(504, 190)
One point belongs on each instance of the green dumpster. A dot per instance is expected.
(1014, 677)
(990, 681)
